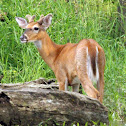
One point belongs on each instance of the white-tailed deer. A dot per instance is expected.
(72, 64)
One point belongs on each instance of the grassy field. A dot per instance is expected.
(72, 21)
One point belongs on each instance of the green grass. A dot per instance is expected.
(71, 22)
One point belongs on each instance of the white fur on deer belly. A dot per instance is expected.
(94, 78)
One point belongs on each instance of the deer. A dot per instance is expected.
(72, 63)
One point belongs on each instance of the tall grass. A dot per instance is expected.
(72, 21)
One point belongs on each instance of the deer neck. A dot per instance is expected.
(48, 49)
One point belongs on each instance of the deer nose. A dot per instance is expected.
(23, 38)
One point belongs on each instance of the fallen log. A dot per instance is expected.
(34, 103)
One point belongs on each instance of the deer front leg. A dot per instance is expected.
(62, 79)
(63, 85)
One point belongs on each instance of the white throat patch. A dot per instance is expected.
(38, 44)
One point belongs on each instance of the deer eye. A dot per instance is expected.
(36, 28)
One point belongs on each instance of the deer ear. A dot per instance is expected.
(47, 21)
(21, 22)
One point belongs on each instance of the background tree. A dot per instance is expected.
(122, 16)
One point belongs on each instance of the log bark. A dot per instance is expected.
(34, 103)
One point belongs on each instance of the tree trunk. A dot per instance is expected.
(34, 103)
(122, 16)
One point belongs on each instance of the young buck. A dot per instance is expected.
(72, 64)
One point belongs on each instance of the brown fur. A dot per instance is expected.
(70, 60)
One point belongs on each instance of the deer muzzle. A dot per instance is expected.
(23, 38)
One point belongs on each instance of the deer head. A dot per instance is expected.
(34, 30)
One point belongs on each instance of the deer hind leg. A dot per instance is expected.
(82, 72)
(75, 87)
(100, 82)
(100, 87)
(88, 87)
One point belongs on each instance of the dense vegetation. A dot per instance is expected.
(72, 21)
